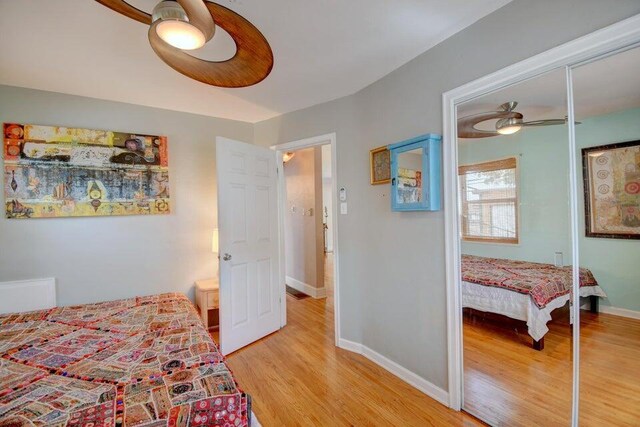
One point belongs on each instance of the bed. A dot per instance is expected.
(145, 361)
(522, 290)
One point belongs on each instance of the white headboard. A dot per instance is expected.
(27, 295)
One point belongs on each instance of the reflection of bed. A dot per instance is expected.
(522, 290)
(146, 360)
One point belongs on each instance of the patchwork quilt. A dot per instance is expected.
(144, 361)
(542, 282)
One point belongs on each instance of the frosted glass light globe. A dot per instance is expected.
(180, 34)
(174, 27)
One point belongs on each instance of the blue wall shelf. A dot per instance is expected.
(416, 174)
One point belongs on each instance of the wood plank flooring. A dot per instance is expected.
(609, 370)
(507, 383)
(297, 377)
(506, 380)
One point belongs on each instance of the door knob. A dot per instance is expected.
(226, 257)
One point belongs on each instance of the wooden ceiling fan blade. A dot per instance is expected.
(467, 129)
(251, 64)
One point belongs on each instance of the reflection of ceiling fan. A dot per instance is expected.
(509, 122)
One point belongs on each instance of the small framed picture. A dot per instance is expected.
(612, 190)
(380, 166)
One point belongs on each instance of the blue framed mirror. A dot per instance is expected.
(416, 170)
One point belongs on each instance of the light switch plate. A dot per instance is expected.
(343, 194)
(343, 208)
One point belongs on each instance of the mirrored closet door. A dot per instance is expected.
(606, 95)
(516, 252)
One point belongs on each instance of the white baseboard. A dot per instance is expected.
(27, 295)
(399, 371)
(350, 346)
(306, 288)
(623, 312)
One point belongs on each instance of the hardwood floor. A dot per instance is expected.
(609, 370)
(505, 380)
(507, 383)
(297, 377)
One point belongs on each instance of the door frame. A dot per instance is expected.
(619, 36)
(300, 144)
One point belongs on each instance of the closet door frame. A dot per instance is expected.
(622, 35)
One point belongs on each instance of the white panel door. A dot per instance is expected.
(249, 253)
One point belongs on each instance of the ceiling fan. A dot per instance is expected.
(179, 26)
(509, 122)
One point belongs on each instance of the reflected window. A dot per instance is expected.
(489, 201)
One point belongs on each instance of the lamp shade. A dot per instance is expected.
(215, 241)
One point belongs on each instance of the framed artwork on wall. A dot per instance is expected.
(380, 166)
(612, 190)
(54, 171)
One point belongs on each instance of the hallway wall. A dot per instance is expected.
(392, 264)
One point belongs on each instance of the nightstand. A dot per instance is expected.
(208, 298)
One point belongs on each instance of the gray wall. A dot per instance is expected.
(303, 247)
(391, 266)
(105, 258)
(327, 197)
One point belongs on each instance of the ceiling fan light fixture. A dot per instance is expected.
(509, 130)
(253, 59)
(174, 27)
(288, 156)
(180, 34)
(508, 126)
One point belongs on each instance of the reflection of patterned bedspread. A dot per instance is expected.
(543, 282)
(143, 361)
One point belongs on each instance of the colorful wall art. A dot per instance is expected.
(612, 190)
(53, 171)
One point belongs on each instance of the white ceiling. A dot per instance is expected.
(600, 87)
(324, 49)
(608, 85)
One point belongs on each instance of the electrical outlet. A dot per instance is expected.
(559, 262)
